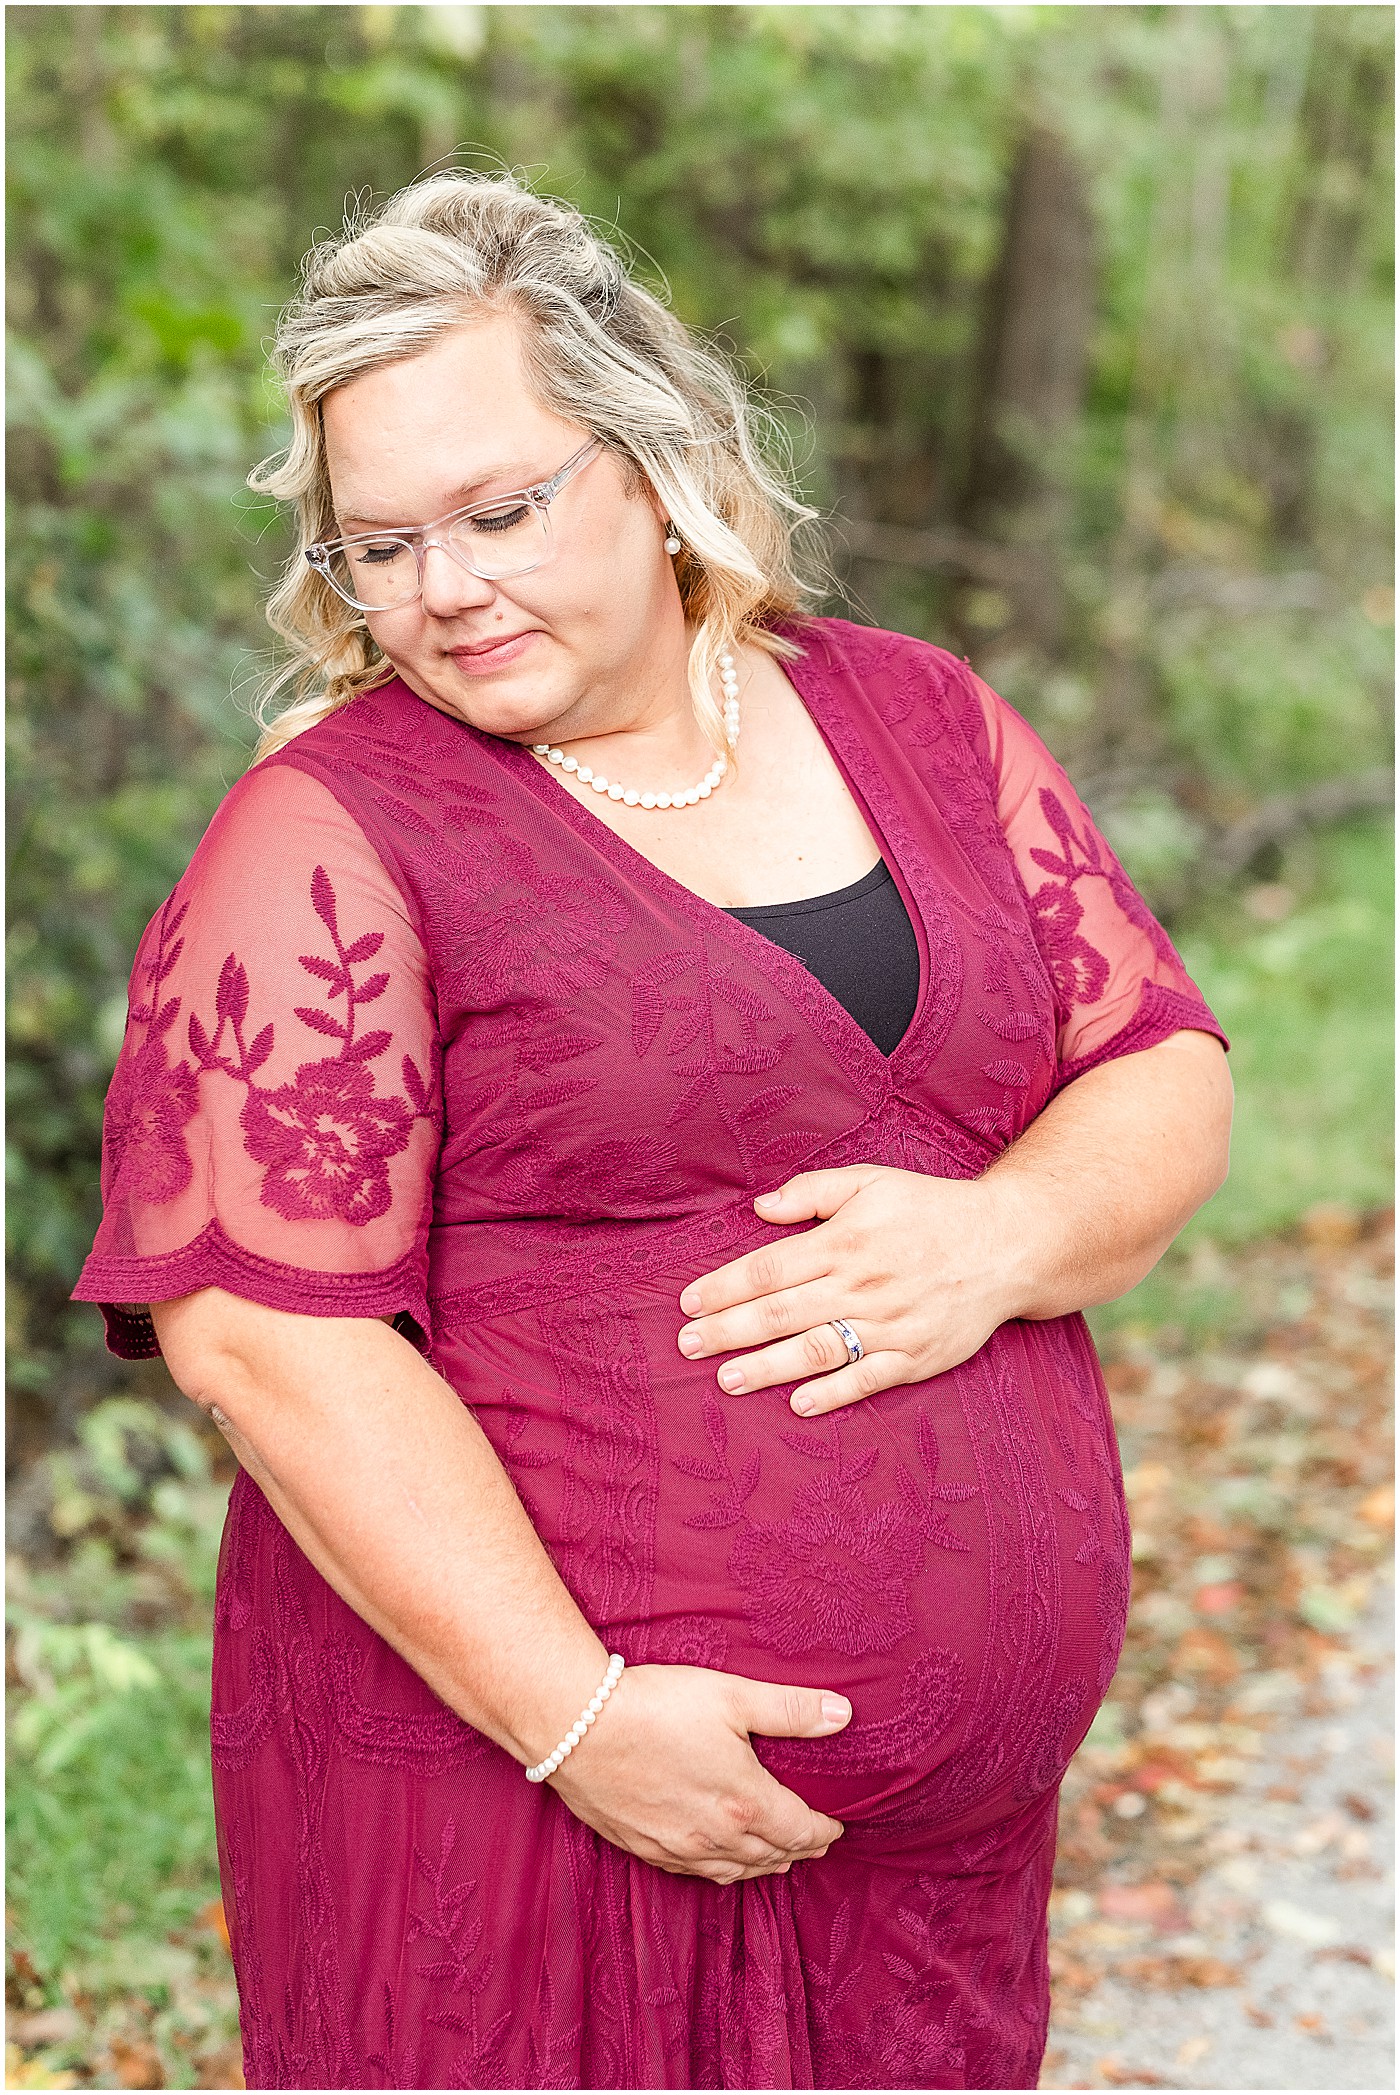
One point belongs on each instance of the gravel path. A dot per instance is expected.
(1223, 1911)
(1298, 1900)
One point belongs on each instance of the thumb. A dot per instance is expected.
(777, 1712)
(815, 1193)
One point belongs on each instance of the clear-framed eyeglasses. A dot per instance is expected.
(507, 536)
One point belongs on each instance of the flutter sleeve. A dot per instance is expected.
(1119, 983)
(273, 1123)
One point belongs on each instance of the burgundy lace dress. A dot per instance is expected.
(417, 1033)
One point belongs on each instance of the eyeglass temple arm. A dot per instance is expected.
(548, 489)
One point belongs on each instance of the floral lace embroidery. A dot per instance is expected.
(325, 1138)
(932, 1698)
(426, 1742)
(834, 1575)
(607, 1524)
(151, 1103)
(238, 1736)
(713, 1054)
(1079, 970)
(450, 1921)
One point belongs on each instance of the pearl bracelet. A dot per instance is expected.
(586, 1718)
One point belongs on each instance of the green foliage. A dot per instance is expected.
(108, 1809)
(1308, 1002)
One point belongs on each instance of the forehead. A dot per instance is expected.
(416, 437)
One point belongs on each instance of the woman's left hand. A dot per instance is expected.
(922, 1268)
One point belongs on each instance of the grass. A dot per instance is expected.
(112, 1876)
(111, 1849)
(1307, 1000)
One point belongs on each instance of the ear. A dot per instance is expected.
(653, 501)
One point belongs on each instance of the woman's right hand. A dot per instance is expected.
(668, 1772)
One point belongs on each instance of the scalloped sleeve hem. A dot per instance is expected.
(1160, 1013)
(122, 1286)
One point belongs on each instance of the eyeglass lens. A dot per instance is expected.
(380, 574)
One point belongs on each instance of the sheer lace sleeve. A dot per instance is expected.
(272, 1125)
(1119, 982)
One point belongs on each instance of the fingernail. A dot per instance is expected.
(689, 1342)
(690, 1301)
(803, 1406)
(767, 1200)
(731, 1378)
(835, 1710)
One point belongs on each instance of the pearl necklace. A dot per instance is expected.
(629, 795)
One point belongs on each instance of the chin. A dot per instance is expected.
(494, 707)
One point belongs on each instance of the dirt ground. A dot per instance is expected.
(1223, 1911)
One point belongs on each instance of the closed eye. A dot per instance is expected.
(497, 520)
(380, 555)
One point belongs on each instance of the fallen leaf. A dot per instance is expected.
(22, 1967)
(1209, 1971)
(1206, 1651)
(1120, 2076)
(44, 2026)
(222, 2069)
(1331, 1225)
(1158, 1904)
(1377, 1509)
(1169, 1973)
(137, 2063)
(1220, 1599)
(21, 2072)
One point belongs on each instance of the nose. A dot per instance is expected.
(449, 586)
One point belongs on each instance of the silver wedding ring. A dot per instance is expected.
(854, 1349)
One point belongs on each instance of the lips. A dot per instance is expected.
(493, 652)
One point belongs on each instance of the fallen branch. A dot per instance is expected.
(936, 552)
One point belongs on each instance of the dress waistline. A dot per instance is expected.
(619, 1255)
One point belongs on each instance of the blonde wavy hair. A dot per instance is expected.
(602, 351)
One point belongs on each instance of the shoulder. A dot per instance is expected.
(412, 776)
(912, 683)
(280, 840)
(275, 811)
(385, 729)
(878, 657)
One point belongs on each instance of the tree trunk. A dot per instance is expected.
(1034, 353)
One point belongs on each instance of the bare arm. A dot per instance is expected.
(925, 1269)
(1102, 1181)
(388, 1484)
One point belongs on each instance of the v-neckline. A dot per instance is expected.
(872, 796)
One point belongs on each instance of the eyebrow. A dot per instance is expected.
(459, 498)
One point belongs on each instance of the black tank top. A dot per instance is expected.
(859, 943)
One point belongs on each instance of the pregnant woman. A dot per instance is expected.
(617, 1124)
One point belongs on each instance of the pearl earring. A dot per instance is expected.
(673, 544)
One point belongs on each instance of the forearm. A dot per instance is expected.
(1102, 1181)
(389, 1486)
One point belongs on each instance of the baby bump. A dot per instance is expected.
(951, 1555)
